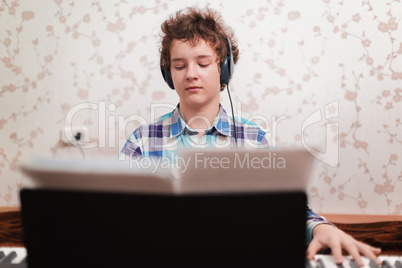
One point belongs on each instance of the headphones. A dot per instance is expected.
(227, 67)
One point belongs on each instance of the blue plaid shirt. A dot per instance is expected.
(170, 133)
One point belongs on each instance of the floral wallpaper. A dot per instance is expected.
(322, 74)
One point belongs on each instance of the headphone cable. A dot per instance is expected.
(77, 138)
(234, 120)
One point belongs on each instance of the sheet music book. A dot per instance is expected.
(195, 171)
(216, 209)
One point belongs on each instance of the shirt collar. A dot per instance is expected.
(221, 123)
(177, 124)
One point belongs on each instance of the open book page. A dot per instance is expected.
(198, 171)
(106, 174)
(245, 171)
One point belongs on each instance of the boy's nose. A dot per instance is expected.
(191, 73)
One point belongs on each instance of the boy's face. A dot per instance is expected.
(195, 74)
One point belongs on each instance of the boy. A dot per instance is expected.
(197, 56)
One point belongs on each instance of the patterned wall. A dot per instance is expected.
(322, 74)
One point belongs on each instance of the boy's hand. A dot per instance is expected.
(328, 236)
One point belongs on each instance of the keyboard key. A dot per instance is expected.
(386, 264)
(307, 263)
(353, 264)
(320, 263)
(373, 264)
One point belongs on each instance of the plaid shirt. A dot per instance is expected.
(170, 133)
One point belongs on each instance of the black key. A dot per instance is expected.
(386, 264)
(320, 263)
(398, 264)
(2, 255)
(373, 264)
(353, 264)
(307, 263)
(9, 258)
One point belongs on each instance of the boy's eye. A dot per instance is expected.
(204, 65)
(179, 67)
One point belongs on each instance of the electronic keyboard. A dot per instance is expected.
(328, 261)
(15, 257)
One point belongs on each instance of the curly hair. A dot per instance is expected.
(192, 24)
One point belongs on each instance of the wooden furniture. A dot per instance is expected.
(11, 233)
(354, 218)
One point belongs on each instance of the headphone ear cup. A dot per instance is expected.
(225, 72)
(227, 66)
(167, 77)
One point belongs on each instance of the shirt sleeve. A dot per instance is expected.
(313, 220)
(264, 141)
(132, 147)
